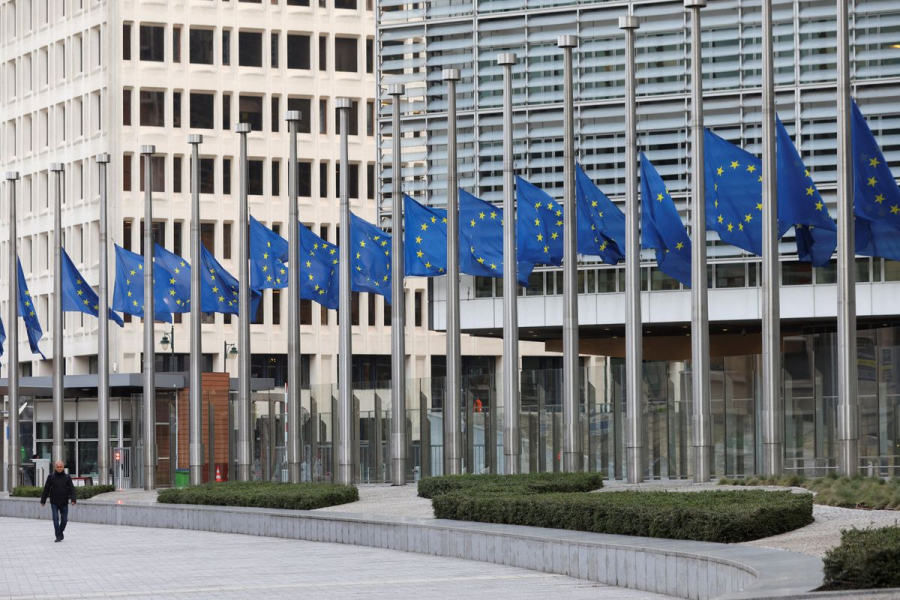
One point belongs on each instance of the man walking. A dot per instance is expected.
(60, 489)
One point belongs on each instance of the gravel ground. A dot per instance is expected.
(401, 501)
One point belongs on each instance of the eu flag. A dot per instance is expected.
(172, 280)
(539, 226)
(481, 240)
(219, 289)
(425, 244)
(128, 291)
(601, 225)
(370, 255)
(661, 226)
(876, 196)
(318, 269)
(28, 314)
(268, 253)
(77, 295)
(2, 337)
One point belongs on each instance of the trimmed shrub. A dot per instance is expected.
(529, 483)
(81, 493)
(847, 492)
(866, 558)
(263, 494)
(703, 516)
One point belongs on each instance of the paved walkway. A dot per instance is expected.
(135, 562)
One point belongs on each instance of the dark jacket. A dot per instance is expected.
(59, 488)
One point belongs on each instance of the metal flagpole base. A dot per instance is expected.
(572, 462)
(773, 458)
(635, 464)
(242, 471)
(848, 461)
(196, 469)
(398, 465)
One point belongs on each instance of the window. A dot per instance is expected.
(354, 180)
(177, 237)
(370, 181)
(345, 55)
(176, 109)
(126, 41)
(323, 115)
(226, 47)
(126, 108)
(250, 110)
(273, 43)
(201, 43)
(304, 179)
(304, 125)
(298, 2)
(370, 118)
(298, 51)
(202, 110)
(226, 240)
(249, 49)
(176, 175)
(207, 175)
(345, 4)
(255, 177)
(153, 109)
(276, 307)
(226, 176)
(353, 117)
(208, 237)
(153, 43)
(418, 308)
(176, 44)
(371, 309)
(157, 173)
(126, 173)
(370, 56)
(323, 179)
(275, 114)
(226, 111)
(276, 178)
(323, 52)
(126, 232)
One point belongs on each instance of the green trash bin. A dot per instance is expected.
(182, 478)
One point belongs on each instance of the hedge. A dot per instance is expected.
(262, 494)
(866, 558)
(712, 516)
(81, 493)
(533, 483)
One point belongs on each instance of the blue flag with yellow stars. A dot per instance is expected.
(128, 291)
(481, 240)
(219, 289)
(801, 205)
(426, 239)
(268, 253)
(175, 287)
(370, 255)
(661, 226)
(601, 225)
(77, 295)
(876, 196)
(2, 337)
(539, 225)
(29, 314)
(318, 269)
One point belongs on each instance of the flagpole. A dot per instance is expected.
(294, 448)
(571, 372)
(511, 399)
(772, 403)
(244, 443)
(59, 449)
(702, 424)
(848, 415)
(12, 339)
(452, 429)
(634, 340)
(149, 392)
(398, 312)
(196, 382)
(345, 341)
(103, 324)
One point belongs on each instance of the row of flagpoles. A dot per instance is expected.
(732, 193)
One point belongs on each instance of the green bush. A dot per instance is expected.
(848, 492)
(530, 483)
(263, 494)
(81, 493)
(704, 516)
(866, 558)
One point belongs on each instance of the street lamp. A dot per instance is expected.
(229, 350)
(169, 340)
